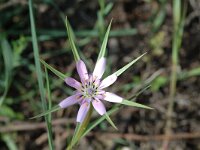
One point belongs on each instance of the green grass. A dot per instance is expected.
(179, 12)
(8, 62)
(40, 76)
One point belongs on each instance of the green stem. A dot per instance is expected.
(178, 18)
(81, 129)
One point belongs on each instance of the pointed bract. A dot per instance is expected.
(53, 109)
(71, 41)
(134, 104)
(56, 72)
(110, 121)
(120, 71)
(104, 44)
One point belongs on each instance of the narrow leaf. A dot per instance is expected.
(134, 104)
(56, 72)
(120, 71)
(110, 121)
(36, 57)
(74, 138)
(49, 119)
(38, 65)
(48, 92)
(9, 141)
(8, 61)
(105, 41)
(53, 109)
(71, 40)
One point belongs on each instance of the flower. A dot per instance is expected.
(90, 89)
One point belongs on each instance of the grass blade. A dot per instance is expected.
(9, 140)
(38, 66)
(8, 61)
(36, 57)
(49, 128)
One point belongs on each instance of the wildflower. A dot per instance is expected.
(91, 89)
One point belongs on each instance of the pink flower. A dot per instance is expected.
(91, 89)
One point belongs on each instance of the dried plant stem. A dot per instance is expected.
(146, 138)
(170, 106)
(30, 126)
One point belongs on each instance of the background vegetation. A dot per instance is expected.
(167, 30)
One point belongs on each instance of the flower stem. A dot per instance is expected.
(82, 127)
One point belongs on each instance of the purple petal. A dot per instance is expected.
(100, 94)
(97, 82)
(99, 68)
(111, 97)
(87, 100)
(73, 83)
(82, 70)
(99, 106)
(108, 81)
(82, 112)
(69, 101)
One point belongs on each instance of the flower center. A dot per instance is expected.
(90, 91)
(90, 88)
